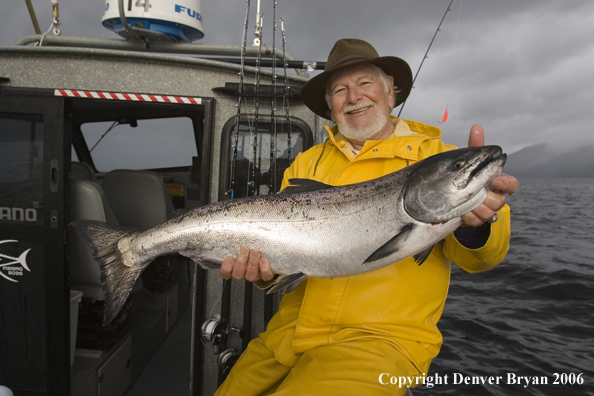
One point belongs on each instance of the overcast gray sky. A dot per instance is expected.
(522, 68)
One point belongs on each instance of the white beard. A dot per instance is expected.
(360, 135)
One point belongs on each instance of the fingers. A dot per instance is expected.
(248, 265)
(240, 264)
(476, 138)
(235, 266)
(265, 270)
(485, 211)
(252, 272)
(479, 216)
(506, 184)
(227, 267)
(472, 219)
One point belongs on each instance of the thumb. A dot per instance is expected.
(477, 136)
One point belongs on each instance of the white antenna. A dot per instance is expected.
(56, 13)
(258, 31)
(55, 23)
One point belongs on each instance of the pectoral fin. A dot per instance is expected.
(421, 257)
(288, 282)
(392, 246)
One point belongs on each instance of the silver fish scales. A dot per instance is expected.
(310, 229)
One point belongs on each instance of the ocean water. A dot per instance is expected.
(533, 315)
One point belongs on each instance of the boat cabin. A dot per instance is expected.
(118, 131)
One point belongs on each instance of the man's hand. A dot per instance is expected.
(504, 185)
(248, 265)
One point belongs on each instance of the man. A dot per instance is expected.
(337, 336)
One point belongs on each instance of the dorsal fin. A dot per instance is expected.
(304, 185)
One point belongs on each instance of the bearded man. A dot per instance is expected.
(351, 335)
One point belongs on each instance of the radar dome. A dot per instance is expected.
(177, 20)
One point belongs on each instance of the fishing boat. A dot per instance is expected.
(133, 131)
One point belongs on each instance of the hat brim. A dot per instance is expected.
(314, 91)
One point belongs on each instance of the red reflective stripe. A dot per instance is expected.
(126, 96)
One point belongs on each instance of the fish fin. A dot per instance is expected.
(304, 185)
(392, 246)
(117, 275)
(288, 282)
(422, 256)
(23, 259)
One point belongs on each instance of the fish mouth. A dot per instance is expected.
(497, 157)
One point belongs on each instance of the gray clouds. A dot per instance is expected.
(524, 69)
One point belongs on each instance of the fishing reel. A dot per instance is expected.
(227, 360)
(215, 331)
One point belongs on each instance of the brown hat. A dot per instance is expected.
(348, 52)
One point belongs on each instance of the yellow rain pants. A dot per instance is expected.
(349, 369)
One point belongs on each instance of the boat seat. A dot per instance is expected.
(87, 203)
(82, 171)
(138, 198)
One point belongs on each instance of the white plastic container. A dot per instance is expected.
(75, 298)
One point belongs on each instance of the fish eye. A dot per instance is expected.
(459, 164)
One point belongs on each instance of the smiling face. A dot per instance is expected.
(360, 103)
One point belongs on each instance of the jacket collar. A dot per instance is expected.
(404, 142)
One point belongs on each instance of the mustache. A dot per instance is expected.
(356, 107)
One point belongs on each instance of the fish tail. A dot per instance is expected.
(111, 249)
(22, 260)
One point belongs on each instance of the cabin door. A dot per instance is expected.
(34, 291)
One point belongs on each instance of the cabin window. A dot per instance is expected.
(21, 178)
(253, 171)
(141, 144)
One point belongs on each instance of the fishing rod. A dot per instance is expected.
(226, 292)
(286, 97)
(272, 168)
(291, 64)
(269, 298)
(248, 286)
(427, 52)
(231, 191)
(257, 42)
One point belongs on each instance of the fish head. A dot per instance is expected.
(450, 184)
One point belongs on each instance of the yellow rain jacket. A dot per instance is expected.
(393, 310)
